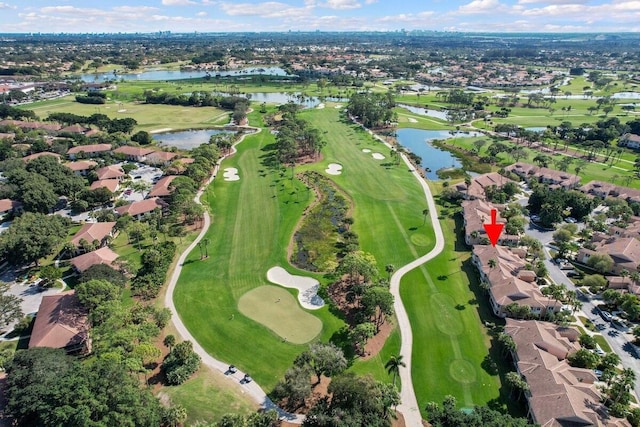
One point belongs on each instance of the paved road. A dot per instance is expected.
(409, 403)
(619, 341)
(252, 389)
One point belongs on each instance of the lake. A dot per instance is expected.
(186, 139)
(161, 75)
(285, 97)
(433, 158)
(442, 115)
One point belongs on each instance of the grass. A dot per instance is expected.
(254, 219)
(451, 347)
(278, 310)
(196, 397)
(149, 116)
(604, 345)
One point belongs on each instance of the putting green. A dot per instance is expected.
(462, 371)
(419, 239)
(278, 310)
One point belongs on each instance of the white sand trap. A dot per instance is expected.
(412, 120)
(377, 156)
(231, 174)
(122, 111)
(320, 106)
(338, 106)
(334, 169)
(307, 287)
(160, 130)
(366, 150)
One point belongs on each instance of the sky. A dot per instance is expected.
(128, 16)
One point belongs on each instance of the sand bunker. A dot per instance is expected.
(377, 156)
(334, 169)
(307, 287)
(412, 120)
(231, 174)
(122, 111)
(338, 106)
(160, 130)
(366, 150)
(320, 106)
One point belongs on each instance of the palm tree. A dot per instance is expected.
(390, 268)
(393, 366)
(492, 263)
(205, 243)
(425, 213)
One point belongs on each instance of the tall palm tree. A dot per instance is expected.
(425, 213)
(492, 263)
(393, 366)
(390, 268)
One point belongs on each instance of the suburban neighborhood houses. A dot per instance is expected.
(360, 229)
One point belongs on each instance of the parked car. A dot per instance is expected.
(570, 220)
(535, 218)
(247, 378)
(127, 192)
(605, 315)
(233, 369)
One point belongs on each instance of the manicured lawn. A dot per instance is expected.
(253, 221)
(208, 396)
(277, 309)
(149, 117)
(446, 308)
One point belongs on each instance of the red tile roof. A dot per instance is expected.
(110, 172)
(141, 207)
(93, 231)
(162, 187)
(109, 184)
(101, 256)
(61, 322)
(91, 148)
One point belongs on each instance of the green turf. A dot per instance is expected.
(149, 117)
(278, 310)
(196, 397)
(449, 343)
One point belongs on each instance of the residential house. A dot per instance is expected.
(605, 189)
(163, 187)
(144, 207)
(477, 212)
(79, 129)
(9, 136)
(61, 322)
(8, 206)
(104, 255)
(43, 153)
(110, 184)
(559, 395)
(110, 172)
(479, 185)
(552, 177)
(50, 127)
(160, 158)
(629, 140)
(135, 154)
(509, 281)
(91, 150)
(97, 233)
(625, 252)
(81, 167)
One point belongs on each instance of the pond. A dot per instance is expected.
(626, 95)
(285, 97)
(441, 115)
(417, 141)
(186, 139)
(161, 75)
(539, 129)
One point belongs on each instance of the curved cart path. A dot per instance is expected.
(409, 404)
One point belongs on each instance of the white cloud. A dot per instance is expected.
(417, 19)
(134, 9)
(341, 4)
(177, 2)
(553, 1)
(480, 6)
(201, 14)
(370, 1)
(269, 9)
(4, 5)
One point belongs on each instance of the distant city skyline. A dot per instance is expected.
(112, 16)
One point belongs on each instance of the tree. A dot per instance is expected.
(389, 268)
(594, 282)
(169, 341)
(377, 302)
(174, 416)
(584, 358)
(10, 310)
(393, 366)
(448, 415)
(295, 387)
(361, 333)
(96, 292)
(180, 363)
(104, 272)
(425, 214)
(32, 236)
(602, 263)
(354, 401)
(358, 264)
(322, 359)
(142, 137)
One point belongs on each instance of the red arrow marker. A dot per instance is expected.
(494, 229)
